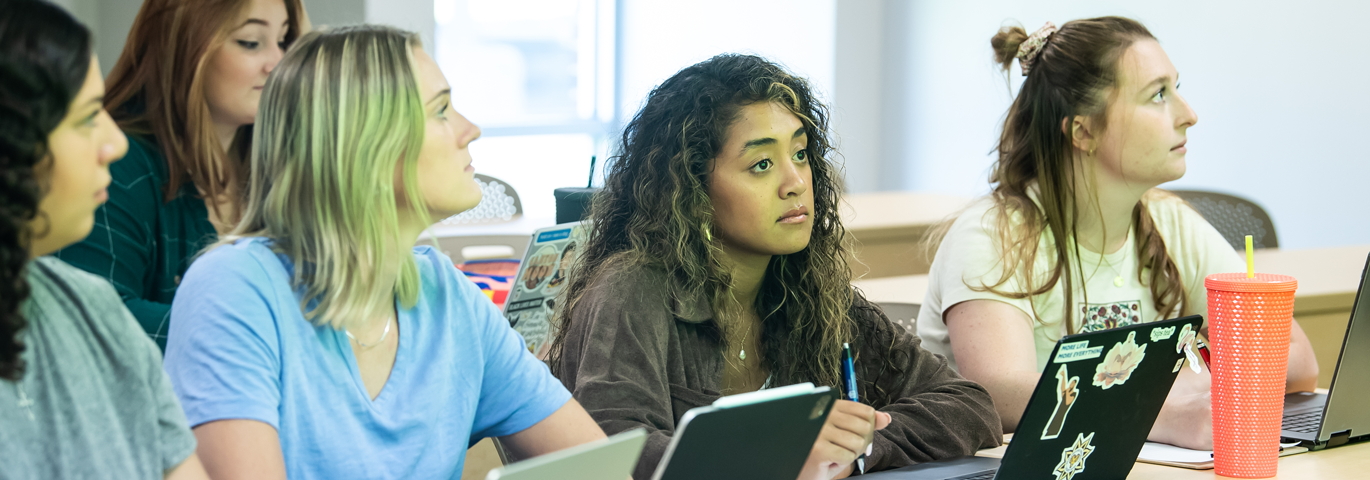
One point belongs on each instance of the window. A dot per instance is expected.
(538, 77)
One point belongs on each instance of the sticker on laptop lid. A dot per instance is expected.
(1073, 457)
(1075, 351)
(1178, 363)
(1193, 359)
(1186, 344)
(1119, 362)
(1186, 337)
(1066, 392)
(1163, 333)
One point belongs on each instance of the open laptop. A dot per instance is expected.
(543, 273)
(1320, 421)
(1091, 411)
(612, 458)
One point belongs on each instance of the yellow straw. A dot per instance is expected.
(1250, 259)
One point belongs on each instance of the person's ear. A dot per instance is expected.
(1081, 131)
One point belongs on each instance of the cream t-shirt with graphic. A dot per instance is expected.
(970, 255)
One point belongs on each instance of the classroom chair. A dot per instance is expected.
(1234, 217)
(499, 203)
(902, 314)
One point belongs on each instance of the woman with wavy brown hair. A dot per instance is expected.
(82, 391)
(1075, 236)
(715, 266)
(185, 89)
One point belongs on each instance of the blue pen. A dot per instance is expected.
(849, 383)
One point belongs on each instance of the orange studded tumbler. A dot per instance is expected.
(1249, 321)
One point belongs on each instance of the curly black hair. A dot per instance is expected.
(44, 59)
(655, 211)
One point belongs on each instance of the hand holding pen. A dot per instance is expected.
(845, 436)
(848, 433)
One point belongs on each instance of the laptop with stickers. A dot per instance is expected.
(1091, 411)
(1319, 421)
(543, 273)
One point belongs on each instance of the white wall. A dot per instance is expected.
(660, 37)
(1280, 89)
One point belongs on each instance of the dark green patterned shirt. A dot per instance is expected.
(141, 243)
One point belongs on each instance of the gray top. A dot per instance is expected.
(94, 401)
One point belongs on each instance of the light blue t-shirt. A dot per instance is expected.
(239, 347)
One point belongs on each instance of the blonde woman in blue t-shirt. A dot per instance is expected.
(315, 340)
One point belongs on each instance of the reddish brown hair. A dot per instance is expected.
(156, 88)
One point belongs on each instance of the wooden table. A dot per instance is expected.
(451, 239)
(887, 230)
(1345, 462)
(1328, 281)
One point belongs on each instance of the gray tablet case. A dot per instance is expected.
(759, 441)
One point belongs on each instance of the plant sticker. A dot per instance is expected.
(1164, 333)
(1073, 457)
(1119, 362)
(1066, 393)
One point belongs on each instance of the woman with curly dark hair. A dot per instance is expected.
(715, 266)
(82, 392)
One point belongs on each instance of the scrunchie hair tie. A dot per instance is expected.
(1031, 48)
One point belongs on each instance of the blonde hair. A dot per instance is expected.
(338, 117)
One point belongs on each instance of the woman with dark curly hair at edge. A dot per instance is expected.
(82, 392)
(715, 266)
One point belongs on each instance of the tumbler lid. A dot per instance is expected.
(1263, 283)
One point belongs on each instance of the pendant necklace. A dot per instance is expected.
(1117, 276)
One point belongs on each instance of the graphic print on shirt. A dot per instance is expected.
(1103, 316)
(1073, 457)
(1119, 362)
(1066, 393)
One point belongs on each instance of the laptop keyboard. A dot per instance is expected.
(1307, 422)
(978, 476)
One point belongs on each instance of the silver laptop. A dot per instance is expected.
(1320, 421)
(613, 458)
